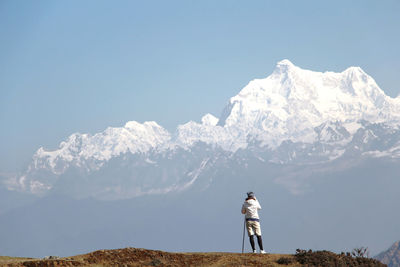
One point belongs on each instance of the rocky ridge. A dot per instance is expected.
(391, 257)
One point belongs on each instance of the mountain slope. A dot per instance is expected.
(390, 257)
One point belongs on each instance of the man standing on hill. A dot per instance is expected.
(250, 208)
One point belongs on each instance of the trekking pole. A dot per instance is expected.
(244, 227)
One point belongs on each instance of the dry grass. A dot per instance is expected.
(142, 257)
(5, 260)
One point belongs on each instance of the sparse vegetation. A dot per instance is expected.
(329, 259)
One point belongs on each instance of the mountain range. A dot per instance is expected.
(320, 150)
(293, 116)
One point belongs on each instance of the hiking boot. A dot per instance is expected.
(263, 252)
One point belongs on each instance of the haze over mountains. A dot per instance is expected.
(321, 150)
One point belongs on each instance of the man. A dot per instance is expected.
(250, 208)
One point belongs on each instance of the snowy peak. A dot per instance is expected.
(358, 83)
(209, 120)
(292, 98)
(357, 74)
(134, 137)
(285, 62)
(284, 66)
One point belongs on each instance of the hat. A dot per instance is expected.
(250, 194)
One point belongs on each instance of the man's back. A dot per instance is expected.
(250, 208)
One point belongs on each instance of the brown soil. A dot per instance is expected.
(143, 257)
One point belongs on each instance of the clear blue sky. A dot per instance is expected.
(80, 66)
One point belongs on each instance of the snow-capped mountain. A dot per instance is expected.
(293, 116)
(84, 150)
(291, 102)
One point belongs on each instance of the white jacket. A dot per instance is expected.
(250, 208)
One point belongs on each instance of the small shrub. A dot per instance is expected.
(360, 252)
(285, 261)
(155, 262)
(330, 259)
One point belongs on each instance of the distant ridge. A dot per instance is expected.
(390, 257)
